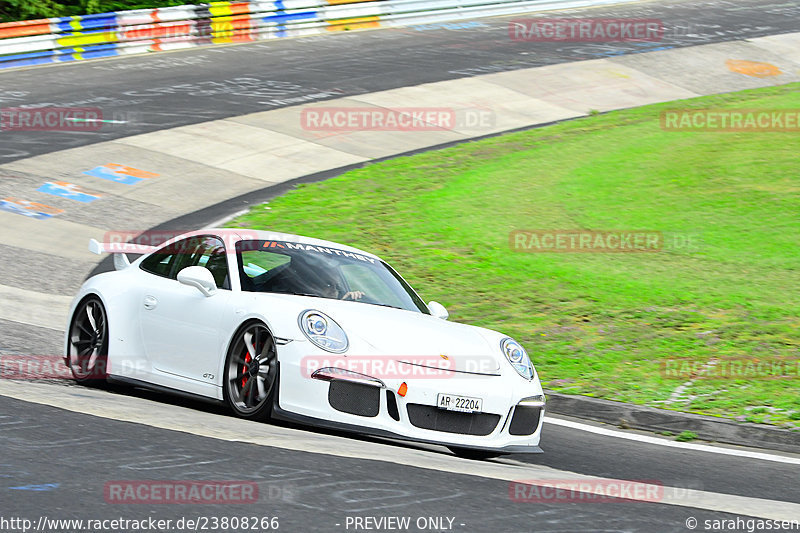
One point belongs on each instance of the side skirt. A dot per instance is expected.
(160, 388)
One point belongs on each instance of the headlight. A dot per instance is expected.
(323, 331)
(517, 356)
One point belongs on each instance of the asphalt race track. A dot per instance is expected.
(62, 445)
(78, 455)
(307, 492)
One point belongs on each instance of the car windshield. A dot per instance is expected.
(322, 272)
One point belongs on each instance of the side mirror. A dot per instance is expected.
(200, 278)
(438, 310)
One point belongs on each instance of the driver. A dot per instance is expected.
(333, 288)
(327, 281)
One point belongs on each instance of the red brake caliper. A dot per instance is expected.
(247, 359)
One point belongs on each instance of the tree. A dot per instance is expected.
(11, 10)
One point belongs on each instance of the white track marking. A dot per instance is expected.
(670, 443)
(95, 120)
(171, 417)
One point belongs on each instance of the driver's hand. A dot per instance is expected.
(353, 295)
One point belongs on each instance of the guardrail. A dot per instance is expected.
(56, 40)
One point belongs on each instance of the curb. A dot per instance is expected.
(709, 428)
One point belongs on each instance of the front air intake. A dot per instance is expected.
(430, 417)
(525, 420)
(354, 398)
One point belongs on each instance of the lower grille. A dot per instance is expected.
(525, 420)
(391, 405)
(430, 417)
(354, 398)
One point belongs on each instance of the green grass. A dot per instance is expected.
(686, 436)
(598, 324)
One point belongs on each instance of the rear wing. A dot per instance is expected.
(119, 249)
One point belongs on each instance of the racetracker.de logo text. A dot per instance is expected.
(587, 30)
(409, 119)
(586, 241)
(51, 119)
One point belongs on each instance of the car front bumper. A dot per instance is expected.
(375, 406)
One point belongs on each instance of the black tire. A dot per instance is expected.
(251, 370)
(470, 453)
(87, 352)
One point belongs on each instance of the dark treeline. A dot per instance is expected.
(11, 10)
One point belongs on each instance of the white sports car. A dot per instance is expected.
(301, 329)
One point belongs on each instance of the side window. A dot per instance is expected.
(202, 251)
(211, 254)
(160, 263)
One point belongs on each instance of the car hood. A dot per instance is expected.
(405, 335)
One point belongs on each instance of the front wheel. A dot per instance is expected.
(87, 354)
(251, 366)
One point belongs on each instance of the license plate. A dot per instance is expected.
(463, 404)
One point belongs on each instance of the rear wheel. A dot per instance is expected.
(470, 453)
(251, 370)
(87, 355)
